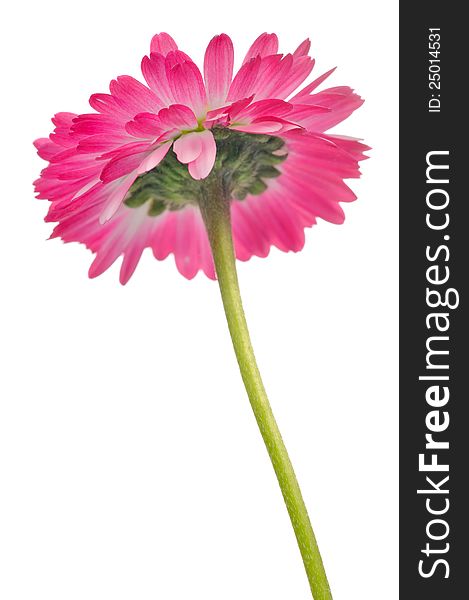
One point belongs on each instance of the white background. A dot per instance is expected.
(131, 466)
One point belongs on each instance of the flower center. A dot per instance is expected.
(243, 163)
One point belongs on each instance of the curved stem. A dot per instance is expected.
(215, 210)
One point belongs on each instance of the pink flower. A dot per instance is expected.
(117, 178)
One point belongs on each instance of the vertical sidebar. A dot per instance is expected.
(434, 258)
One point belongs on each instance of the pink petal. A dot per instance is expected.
(305, 115)
(176, 58)
(126, 234)
(186, 251)
(132, 147)
(135, 232)
(63, 120)
(121, 166)
(341, 102)
(282, 225)
(106, 104)
(265, 44)
(183, 233)
(260, 127)
(238, 107)
(200, 168)
(272, 71)
(62, 134)
(352, 146)
(124, 160)
(108, 254)
(133, 96)
(301, 68)
(132, 256)
(233, 110)
(218, 69)
(78, 167)
(177, 116)
(154, 72)
(92, 124)
(102, 142)
(45, 148)
(145, 125)
(162, 43)
(154, 159)
(303, 48)
(187, 87)
(68, 156)
(244, 80)
(261, 108)
(61, 210)
(188, 147)
(311, 86)
(249, 235)
(118, 190)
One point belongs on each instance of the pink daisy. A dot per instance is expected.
(128, 175)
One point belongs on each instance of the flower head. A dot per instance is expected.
(129, 175)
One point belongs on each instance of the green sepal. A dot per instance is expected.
(244, 163)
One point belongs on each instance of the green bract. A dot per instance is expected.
(243, 163)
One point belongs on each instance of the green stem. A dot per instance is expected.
(215, 210)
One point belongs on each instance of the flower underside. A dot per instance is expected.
(134, 172)
(244, 162)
